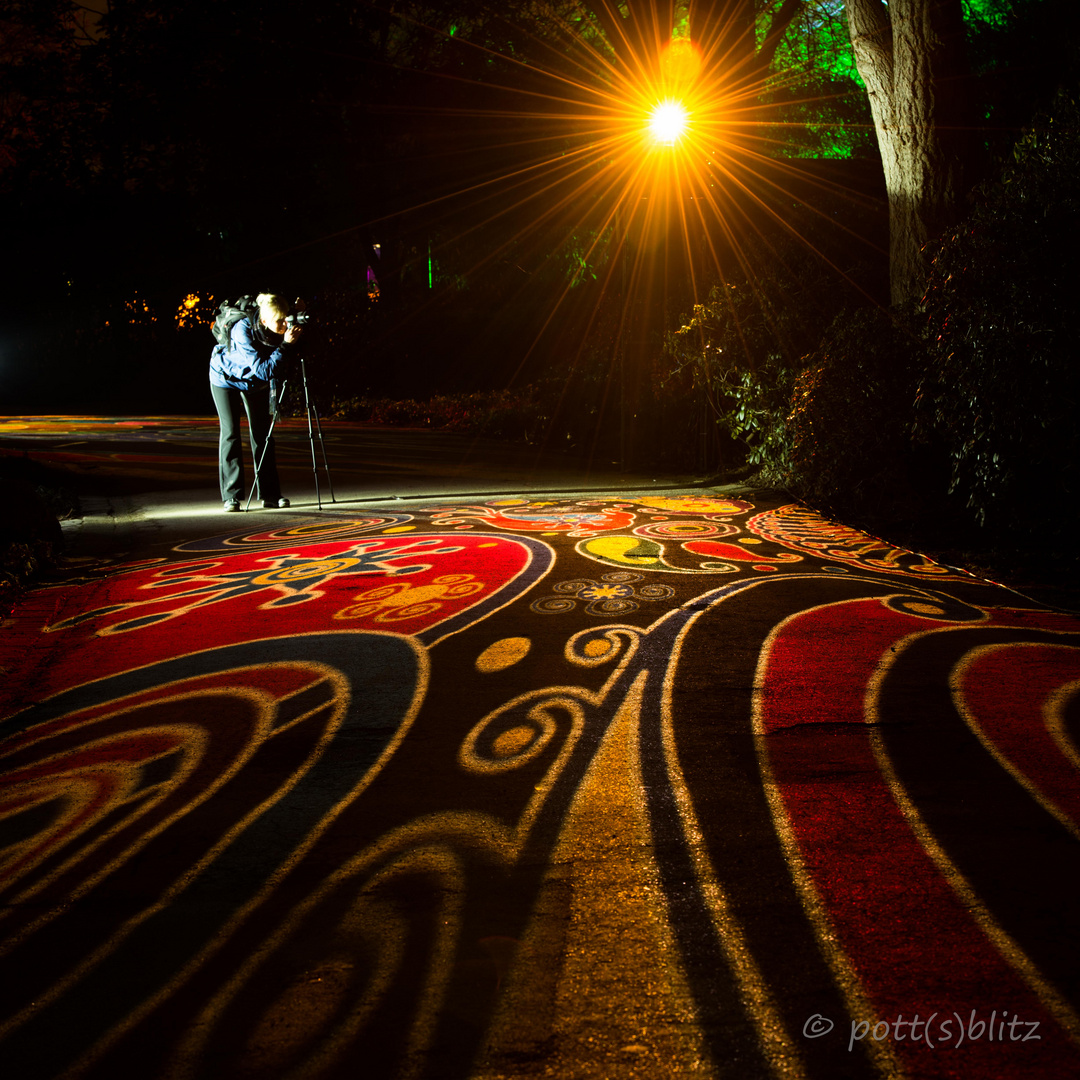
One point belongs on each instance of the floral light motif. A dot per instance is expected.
(613, 594)
(403, 600)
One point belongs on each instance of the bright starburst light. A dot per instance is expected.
(668, 122)
(586, 179)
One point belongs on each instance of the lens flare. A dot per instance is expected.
(611, 175)
(668, 122)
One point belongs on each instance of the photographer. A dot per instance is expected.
(241, 374)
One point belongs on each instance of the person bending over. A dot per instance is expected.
(240, 378)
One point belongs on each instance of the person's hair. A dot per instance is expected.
(275, 303)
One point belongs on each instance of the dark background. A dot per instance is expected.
(212, 149)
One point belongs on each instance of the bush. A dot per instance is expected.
(963, 405)
(743, 349)
(1001, 383)
(848, 433)
(35, 501)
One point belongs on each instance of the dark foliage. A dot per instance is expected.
(742, 351)
(35, 500)
(964, 407)
(848, 434)
(999, 392)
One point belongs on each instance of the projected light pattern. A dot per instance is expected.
(621, 786)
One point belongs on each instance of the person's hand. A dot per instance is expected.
(291, 334)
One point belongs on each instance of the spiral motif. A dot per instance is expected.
(552, 605)
(613, 594)
(572, 586)
(933, 606)
(685, 530)
(656, 592)
(506, 740)
(320, 568)
(592, 648)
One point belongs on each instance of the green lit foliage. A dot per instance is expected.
(994, 13)
(818, 100)
(816, 40)
(815, 89)
(585, 254)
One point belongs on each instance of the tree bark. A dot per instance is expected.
(911, 56)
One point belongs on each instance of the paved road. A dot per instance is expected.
(530, 777)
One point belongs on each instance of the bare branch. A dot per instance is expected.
(778, 27)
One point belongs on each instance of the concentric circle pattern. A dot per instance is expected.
(611, 787)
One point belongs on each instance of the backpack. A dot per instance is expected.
(230, 312)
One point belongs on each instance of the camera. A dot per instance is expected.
(299, 318)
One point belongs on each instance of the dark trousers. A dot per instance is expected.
(257, 405)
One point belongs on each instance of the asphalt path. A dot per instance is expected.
(494, 765)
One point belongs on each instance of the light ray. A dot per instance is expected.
(568, 155)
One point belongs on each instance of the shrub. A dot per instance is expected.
(35, 499)
(848, 433)
(970, 395)
(743, 349)
(1001, 384)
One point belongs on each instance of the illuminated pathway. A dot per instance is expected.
(612, 784)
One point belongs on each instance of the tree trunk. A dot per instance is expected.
(911, 57)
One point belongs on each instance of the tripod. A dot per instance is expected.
(314, 428)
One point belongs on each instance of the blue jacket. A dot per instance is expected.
(250, 363)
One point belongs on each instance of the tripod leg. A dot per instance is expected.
(322, 446)
(311, 434)
(266, 445)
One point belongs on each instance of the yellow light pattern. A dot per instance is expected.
(664, 141)
(668, 122)
(649, 153)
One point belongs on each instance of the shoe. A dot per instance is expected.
(232, 506)
(275, 504)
